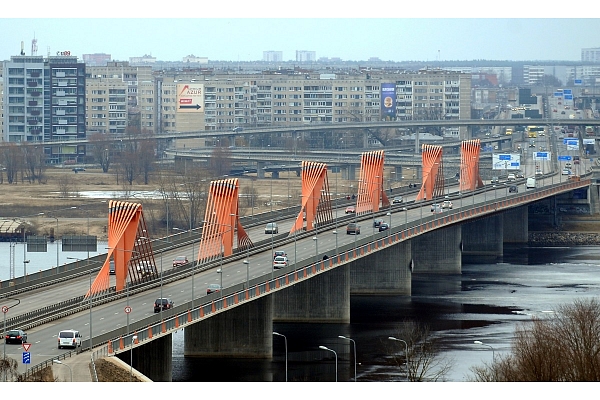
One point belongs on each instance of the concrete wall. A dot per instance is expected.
(324, 299)
(241, 332)
(438, 251)
(482, 239)
(515, 225)
(153, 359)
(384, 272)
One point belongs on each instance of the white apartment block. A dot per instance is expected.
(272, 56)
(591, 55)
(306, 56)
(192, 59)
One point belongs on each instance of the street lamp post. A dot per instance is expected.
(336, 366)
(354, 344)
(55, 361)
(133, 339)
(286, 354)
(405, 353)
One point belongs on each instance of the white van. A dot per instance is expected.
(69, 338)
(530, 183)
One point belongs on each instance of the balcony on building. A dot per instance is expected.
(32, 121)
(35, 94)
(32, 103)
(32, 84)
(34, 112)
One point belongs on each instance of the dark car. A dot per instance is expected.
(15, 336)
(513, 189)
(377, 222)
(384, 226)
(212, 288)
(279, 253)
(353, 229)
(111, 268)
(165, 303)
(78, 169)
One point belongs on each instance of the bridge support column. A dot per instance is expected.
(245, 331)
(438, 251)
(153, 359)
(322, 299)
(275, 175)
(594, 199)
(383, 272)
(260, 172)
(515, 225)
(482, 239)
(349, 172)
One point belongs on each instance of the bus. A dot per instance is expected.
(532, 131)
(509, 131)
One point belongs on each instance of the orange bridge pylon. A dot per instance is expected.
(129, 247)
(370, 184)
(221, 220)
(433, 173)
(316, 200)
(469, 165)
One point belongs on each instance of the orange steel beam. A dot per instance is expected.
(316, 200)
(128, 246)
(221, 220)
(433, 175)
(469, 165)
(370, 184)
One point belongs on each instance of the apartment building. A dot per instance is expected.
(272, 56)
(590, 55)
(306, 56)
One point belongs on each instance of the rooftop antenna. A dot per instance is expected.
(34, 46)
(22, 47)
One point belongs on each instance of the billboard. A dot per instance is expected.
(506, 161)
(388, 101)
(190, 98)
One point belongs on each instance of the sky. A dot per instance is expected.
(245, 30)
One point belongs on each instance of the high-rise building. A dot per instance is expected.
(306, 56)
(591, 55)
(272, 56)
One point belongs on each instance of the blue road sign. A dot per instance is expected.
(564, 158)
(26, 357)
(567, 91)
(504, 157)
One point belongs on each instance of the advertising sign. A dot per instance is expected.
(506, 161)
(541, 155)
(589, 141)
(190, 98)
(388, 101)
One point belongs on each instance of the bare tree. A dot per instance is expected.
(220, 162)
(67, 186)
(147, 155)
(100, 150)
(12, 160)
(10, 368)
(424, 358)
(564, 347)
(34, 163)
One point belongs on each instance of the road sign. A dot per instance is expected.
(564, 158)
(26, 357)
(4, 309)
(26, 346)
(127, 309)
(541, 155)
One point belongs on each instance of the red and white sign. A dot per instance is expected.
(127, 310)
(26, 346)
(4, 309)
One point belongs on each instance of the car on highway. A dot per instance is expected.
(384, 226)
(164, 303)
(436, 208)
(212, 288)
(511, 177)
(111, 268)
(377, 222)
(566, 172)
(279, 253)
(397, 200)
(180, 261)
(280, 262)
(15, 336)
(568, 165)
(353, 229)
(447, 204)
(538, 173)
(271, 228)
(494, 180)
(350, 210)
(69, 338)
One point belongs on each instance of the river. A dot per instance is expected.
(484, 303)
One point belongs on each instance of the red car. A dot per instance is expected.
(179, 261)
(350, 210)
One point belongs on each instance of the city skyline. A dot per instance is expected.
(349, 39)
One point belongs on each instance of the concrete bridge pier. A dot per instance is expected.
(275, 175)
(349, 172)
(322, 299)
(438, 251)
(515, 225)
(153, 359)
(245, 331)
(383, 272)
(260, 172)
(482, 239)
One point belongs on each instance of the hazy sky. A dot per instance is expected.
(244, 33)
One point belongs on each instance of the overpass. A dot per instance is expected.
(237, 321)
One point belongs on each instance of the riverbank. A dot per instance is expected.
(564, 238)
